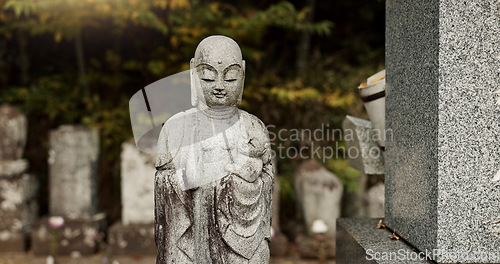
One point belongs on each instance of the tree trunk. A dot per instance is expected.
(24, 62)
(80, 60)
(305, 41)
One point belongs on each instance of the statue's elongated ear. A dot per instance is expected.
(243, 67)
(194, 88)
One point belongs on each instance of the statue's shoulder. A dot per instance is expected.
(171, 136)
(178, 120)
(252, 122)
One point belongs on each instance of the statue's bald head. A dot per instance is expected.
(217, 72)
(216, 50)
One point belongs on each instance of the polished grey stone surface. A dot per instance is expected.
(364, 153)
(442, 69)
(359, 241)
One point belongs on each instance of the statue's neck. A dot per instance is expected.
(219, 112)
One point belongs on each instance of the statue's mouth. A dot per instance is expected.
(219, 95)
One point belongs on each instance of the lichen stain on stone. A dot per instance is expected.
(64, 243)
(52, 156)
(122, 243)
(11, 196)
(17, 225)
(5, 235)
(89, 234)
(71, 234)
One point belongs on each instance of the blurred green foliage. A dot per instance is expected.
(66, 61)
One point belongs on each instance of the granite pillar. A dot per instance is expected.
(442, 69)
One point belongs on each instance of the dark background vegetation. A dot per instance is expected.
(79, 62)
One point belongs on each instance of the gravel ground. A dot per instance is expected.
(19, 258)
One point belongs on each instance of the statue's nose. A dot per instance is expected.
(219, 89)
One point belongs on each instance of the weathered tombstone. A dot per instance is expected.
(319, 194)
(375, 200)
(442, 69)
(137, 189)
(73, 158)
(73, 161)
(214, 179)
(363, 151)
(18, 206)
(134, 235)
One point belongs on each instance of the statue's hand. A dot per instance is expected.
(252, 147)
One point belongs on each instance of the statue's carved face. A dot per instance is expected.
(220, 71)
(220, 86)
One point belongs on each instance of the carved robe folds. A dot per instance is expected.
(213, 189)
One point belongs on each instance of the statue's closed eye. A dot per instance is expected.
(230, 80)
(207, 80)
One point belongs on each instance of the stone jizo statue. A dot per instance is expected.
(214, 179)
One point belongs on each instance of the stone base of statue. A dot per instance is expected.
(75, 235)
(132, 239)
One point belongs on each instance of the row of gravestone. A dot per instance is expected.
(74, 223)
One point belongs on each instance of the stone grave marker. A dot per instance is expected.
(319, 194)
(18, 205)
(73, 162)
(375, 201)
(134, 235)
